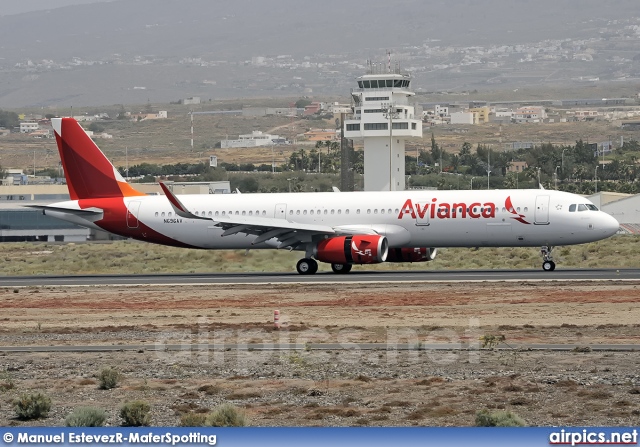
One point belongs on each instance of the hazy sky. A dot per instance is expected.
(10, 7)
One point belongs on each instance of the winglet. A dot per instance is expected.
(177, 205)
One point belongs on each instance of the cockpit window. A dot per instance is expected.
(572, 208)
(592, 207)
(582, 207)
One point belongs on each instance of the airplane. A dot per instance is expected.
(339, 228)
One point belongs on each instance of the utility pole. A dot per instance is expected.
(488, 166)
(191, 114)
(596, 178)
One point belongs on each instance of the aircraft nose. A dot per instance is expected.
(609, 224)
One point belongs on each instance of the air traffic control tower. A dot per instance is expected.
(383, 118)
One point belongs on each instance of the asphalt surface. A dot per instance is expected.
(326, 278)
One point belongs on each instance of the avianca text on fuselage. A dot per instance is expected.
(443, 210)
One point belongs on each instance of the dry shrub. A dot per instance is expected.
(210, 390)
(108, 378)
(136, 413)
(485, 418)
(226, 415)
(32, 406)
(86, 417)
(192, 420)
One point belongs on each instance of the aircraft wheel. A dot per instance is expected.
(307, 266)
(341, 268)
(548, 266)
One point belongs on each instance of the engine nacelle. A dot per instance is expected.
(416, 254)
(356, 249)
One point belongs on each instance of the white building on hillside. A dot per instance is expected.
(441, 111)
(254, 139)
(29, 126)
(462, 118)
(529, 115)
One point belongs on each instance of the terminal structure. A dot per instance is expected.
(383, 118)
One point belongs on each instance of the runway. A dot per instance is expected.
(364, 277)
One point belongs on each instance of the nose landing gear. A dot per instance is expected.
(547, 259)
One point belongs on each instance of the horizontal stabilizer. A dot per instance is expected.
(77, 212)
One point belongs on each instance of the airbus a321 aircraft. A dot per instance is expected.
(342, 229)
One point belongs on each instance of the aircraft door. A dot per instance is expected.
(133, 208)
(281, 211)
(422, 215)
(542, 210)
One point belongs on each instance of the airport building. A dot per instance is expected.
(383, 117)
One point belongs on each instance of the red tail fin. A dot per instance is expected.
(89, 174)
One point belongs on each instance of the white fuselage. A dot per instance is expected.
(478, 218)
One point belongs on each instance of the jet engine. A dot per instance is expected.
(415, 254)
(365, 249)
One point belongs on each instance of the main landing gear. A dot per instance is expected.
(547, 259)
(341, 268)
(309, 266)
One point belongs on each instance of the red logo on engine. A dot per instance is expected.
(519, 217)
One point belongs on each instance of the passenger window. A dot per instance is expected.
(397, 211)
(298, 212)
(346, 211)
(156, 214)
(526, 208)
(332, 211)
(290, 212)
(169, 215)
(358, 211)
(389, 210)
(217, 213)
(237, 213)
(223, 213)
(210, 214)
(264, 213)
(162, 214)
(572, 208)
(382, 211)
(304, 212)
(582, 207)
(311, 212)
(339, 211)
(518, 209)
(326, 212)
(244, 213)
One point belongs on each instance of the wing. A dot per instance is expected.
(288, 233)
